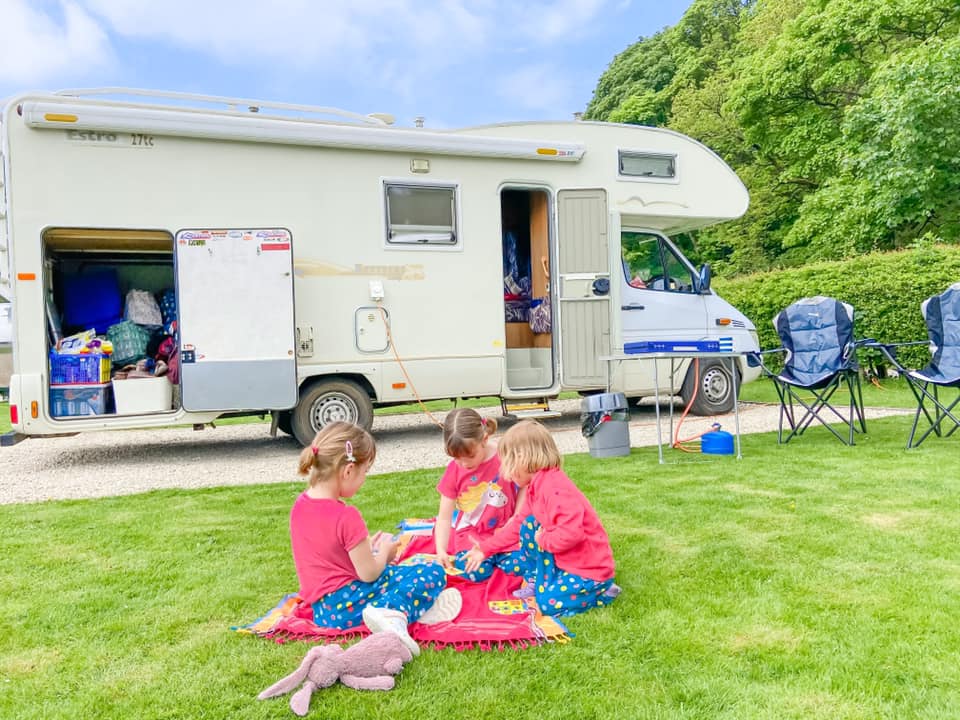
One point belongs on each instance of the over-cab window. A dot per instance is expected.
(421, 214)
(648, 165)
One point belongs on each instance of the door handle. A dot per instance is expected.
(632, 307)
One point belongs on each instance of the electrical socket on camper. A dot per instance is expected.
(376, 290)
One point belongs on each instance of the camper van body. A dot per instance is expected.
(327, 265)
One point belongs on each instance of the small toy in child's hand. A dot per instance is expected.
(416, 526)
(368, 665)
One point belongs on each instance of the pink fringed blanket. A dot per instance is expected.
(491, 618)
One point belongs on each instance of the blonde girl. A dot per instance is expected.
(474, 499)
(344, 573)
(564, 554)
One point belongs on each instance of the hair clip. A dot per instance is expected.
(351, 458)
(315, 450)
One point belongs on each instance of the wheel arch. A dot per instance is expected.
(357, 378)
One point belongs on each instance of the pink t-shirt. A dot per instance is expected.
(322, 533)
(484, 502)
(572, 530)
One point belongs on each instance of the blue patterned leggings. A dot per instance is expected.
(558, 592)
(408, 588)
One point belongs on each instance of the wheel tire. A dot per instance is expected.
(714, 388)
(284, 422)
(328, 401)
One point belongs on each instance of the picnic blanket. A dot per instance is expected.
(490, 619)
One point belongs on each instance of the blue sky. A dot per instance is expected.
(455, 62)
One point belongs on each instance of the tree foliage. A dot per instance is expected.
(841, 116)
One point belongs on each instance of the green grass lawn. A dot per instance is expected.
(889, 393)
(810, 580)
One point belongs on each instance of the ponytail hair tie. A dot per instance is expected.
(315, 450)
(348, 447)
(483, 421)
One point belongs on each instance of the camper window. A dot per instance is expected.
(421, 214)
(647, 165)
(649, 263)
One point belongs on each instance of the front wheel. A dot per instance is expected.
(714, 388)
(330, 401)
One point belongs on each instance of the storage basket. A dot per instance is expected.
(79, 369)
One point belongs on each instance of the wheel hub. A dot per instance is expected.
(715, 385)
(333, 408)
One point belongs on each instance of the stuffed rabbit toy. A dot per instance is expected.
(368, 665)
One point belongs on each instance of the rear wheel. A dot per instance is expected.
(330, 401)
(713, 385)
(284, 422)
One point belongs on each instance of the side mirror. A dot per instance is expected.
(703, 283)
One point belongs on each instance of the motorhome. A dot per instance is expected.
(325, 263)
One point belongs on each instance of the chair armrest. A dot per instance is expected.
(754, 358)
(889, 350)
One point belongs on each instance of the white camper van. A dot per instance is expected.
(325, 263)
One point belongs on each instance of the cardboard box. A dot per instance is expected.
(519, 335)
(142, 395)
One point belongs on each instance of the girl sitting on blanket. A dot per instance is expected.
(474, 499)
(564, 553)
(344, 573)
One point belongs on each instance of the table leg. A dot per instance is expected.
(736, 404)
(656, 405)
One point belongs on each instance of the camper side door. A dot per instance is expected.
(584, 286)
(236, 323)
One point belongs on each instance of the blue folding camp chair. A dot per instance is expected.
(942, 315)
(819, 357)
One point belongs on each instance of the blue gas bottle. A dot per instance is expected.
(717, 442)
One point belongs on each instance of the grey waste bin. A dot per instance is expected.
(603, 419)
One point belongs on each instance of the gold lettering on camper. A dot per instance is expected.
(312, 268)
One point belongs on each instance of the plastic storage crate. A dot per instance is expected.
(78, 400)
(93, 368)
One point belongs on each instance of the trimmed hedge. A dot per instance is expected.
(885, 289)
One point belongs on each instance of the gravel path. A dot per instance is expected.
(124, 462)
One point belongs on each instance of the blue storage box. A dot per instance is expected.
(78, 400)
(655, 346)
(79, 369)
(92, 300)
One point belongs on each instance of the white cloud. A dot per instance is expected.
(549, 22)
(540, 88)
(301, 33)
(36, 46)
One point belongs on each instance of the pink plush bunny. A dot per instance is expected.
(368, 665)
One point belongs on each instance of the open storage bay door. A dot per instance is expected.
(584, 270)
(236, 324)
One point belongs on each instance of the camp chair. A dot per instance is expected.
(819, 358)
(942, 316)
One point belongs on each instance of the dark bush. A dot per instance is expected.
(885, 289)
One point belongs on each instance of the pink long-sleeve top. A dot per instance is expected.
(572, 530)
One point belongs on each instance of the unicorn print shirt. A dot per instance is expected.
(484, 502)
